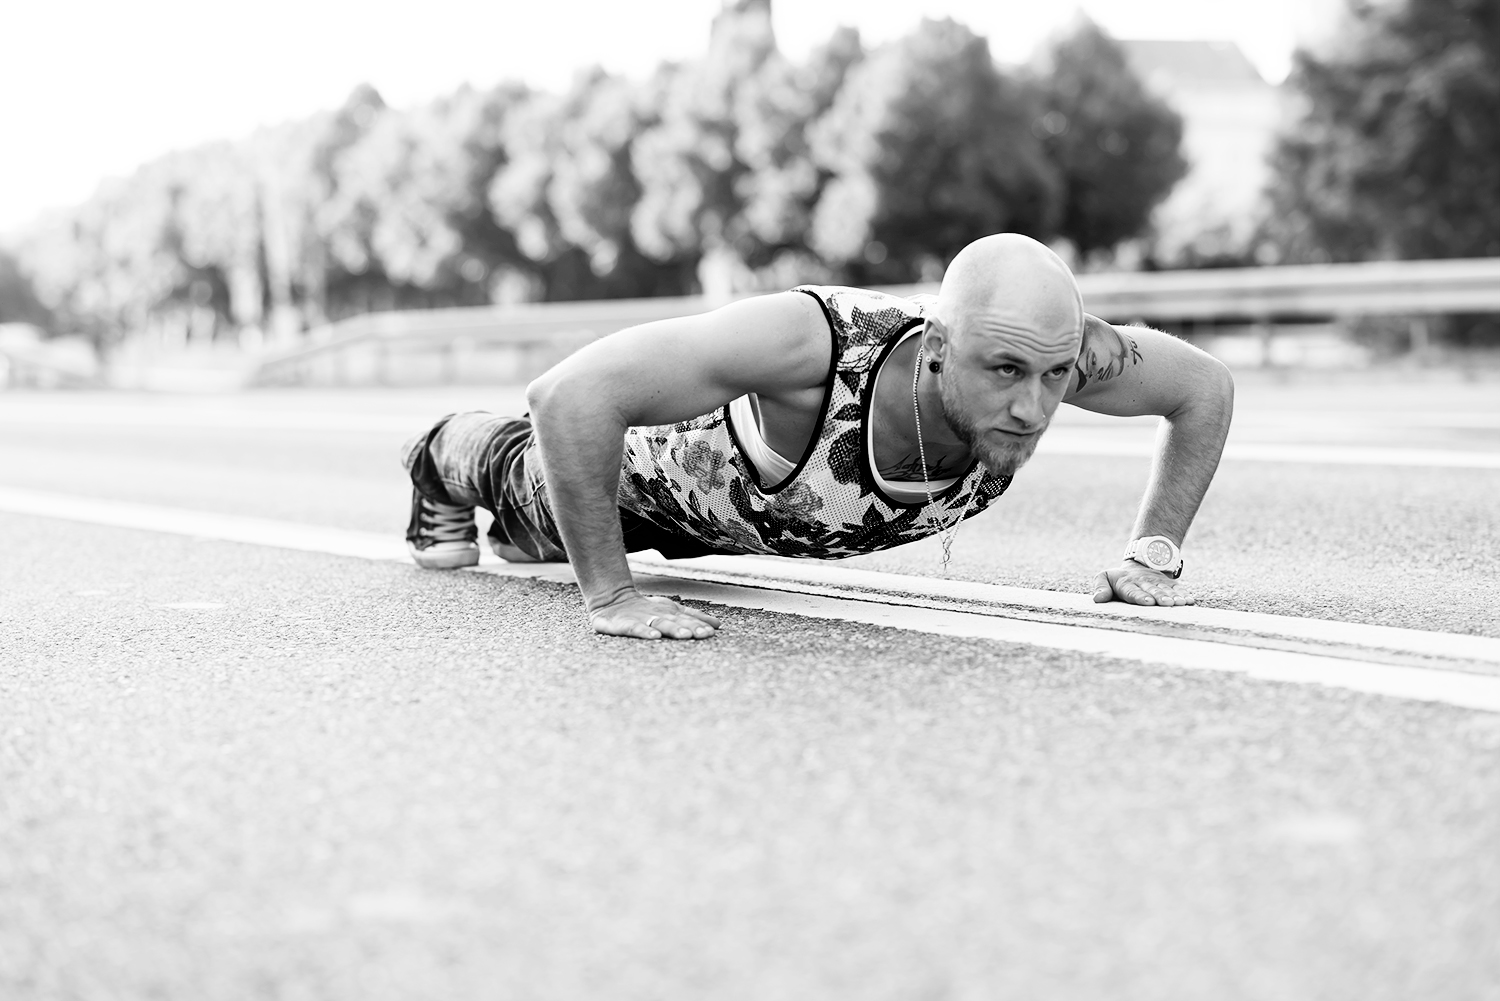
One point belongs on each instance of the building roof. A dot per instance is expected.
(1187, 65)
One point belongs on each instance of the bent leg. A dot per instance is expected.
(490, 462)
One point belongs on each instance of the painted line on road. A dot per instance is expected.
(1123, 442)
(204, 524)
(1456, 688)
(912, 603)
(1219, 625)
(210, 418)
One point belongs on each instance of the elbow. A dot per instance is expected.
(560, 398)
(548, 392)
(1207, 394)
(538, 393)
(1215, 396)
(1222, 381)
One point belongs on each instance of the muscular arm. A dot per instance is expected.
(656, 373)
(1134, 371)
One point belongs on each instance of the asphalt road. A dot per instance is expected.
(239, 772)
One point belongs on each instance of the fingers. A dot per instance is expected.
(680, 622)
(701, 616)
(1140, 589)
(1103, 590)
(654, 619)
(680, 627)
(1134, 593)
(614, 625)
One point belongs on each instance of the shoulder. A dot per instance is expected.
(1105, 352)
(843, 301)
(861, 317)
(762, 343)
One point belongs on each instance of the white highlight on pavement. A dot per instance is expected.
(951, 608)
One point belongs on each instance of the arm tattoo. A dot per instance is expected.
(1106, 352)
(909, 468)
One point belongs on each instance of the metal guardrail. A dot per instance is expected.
(533, 336)
(1373, 288)
(22, 370)
(377, 347)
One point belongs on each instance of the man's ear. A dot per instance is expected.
(935, 340)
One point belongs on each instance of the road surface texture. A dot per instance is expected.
(232, 771)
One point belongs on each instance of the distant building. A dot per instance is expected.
(1230, 118)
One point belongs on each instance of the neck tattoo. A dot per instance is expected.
(945, 535)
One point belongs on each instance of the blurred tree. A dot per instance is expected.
(930, 147)
(298, 170)
(1114, 146)
(741, 164)
(409, 213)
(1397, 150)
(779, 191)
(215, 229)
(18, 299)
(687, 164)
(117, 262)
(568, 190)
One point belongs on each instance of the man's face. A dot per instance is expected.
(1002, 380)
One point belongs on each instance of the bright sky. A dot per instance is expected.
(92, 88)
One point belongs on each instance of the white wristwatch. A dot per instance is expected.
(1157, 552)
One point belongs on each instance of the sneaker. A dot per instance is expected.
(441, 536)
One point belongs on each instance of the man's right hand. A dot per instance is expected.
(648, 617)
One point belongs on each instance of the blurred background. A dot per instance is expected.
(311, 193)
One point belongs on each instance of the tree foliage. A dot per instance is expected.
(1114, 146)
(846, 166)
(19, 302)
(1397, 150)
(930, 147)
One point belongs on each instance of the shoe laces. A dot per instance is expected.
(447, 522)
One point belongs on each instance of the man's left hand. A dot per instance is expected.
(1139, 585)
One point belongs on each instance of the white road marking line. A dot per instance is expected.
(193, 606)
(211, 418)
(886, 608)
(1457, 688)
(225, 527)
(815, 577)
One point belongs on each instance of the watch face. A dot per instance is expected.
(1159, 554)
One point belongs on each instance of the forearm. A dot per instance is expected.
(581, 443)
(1188, 447)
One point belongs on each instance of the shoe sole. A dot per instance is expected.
(448, 560)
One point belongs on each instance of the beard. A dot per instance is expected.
(1000, 458)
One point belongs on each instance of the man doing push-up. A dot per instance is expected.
(821, 422)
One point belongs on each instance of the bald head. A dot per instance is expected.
(1010, 285)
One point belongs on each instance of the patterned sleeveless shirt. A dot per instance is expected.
(694, 478)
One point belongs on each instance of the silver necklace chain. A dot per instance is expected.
(945, 535)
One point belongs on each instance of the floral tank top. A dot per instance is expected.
(694, 478)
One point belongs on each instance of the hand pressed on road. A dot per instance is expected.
(1139, 585)
(651, 618)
